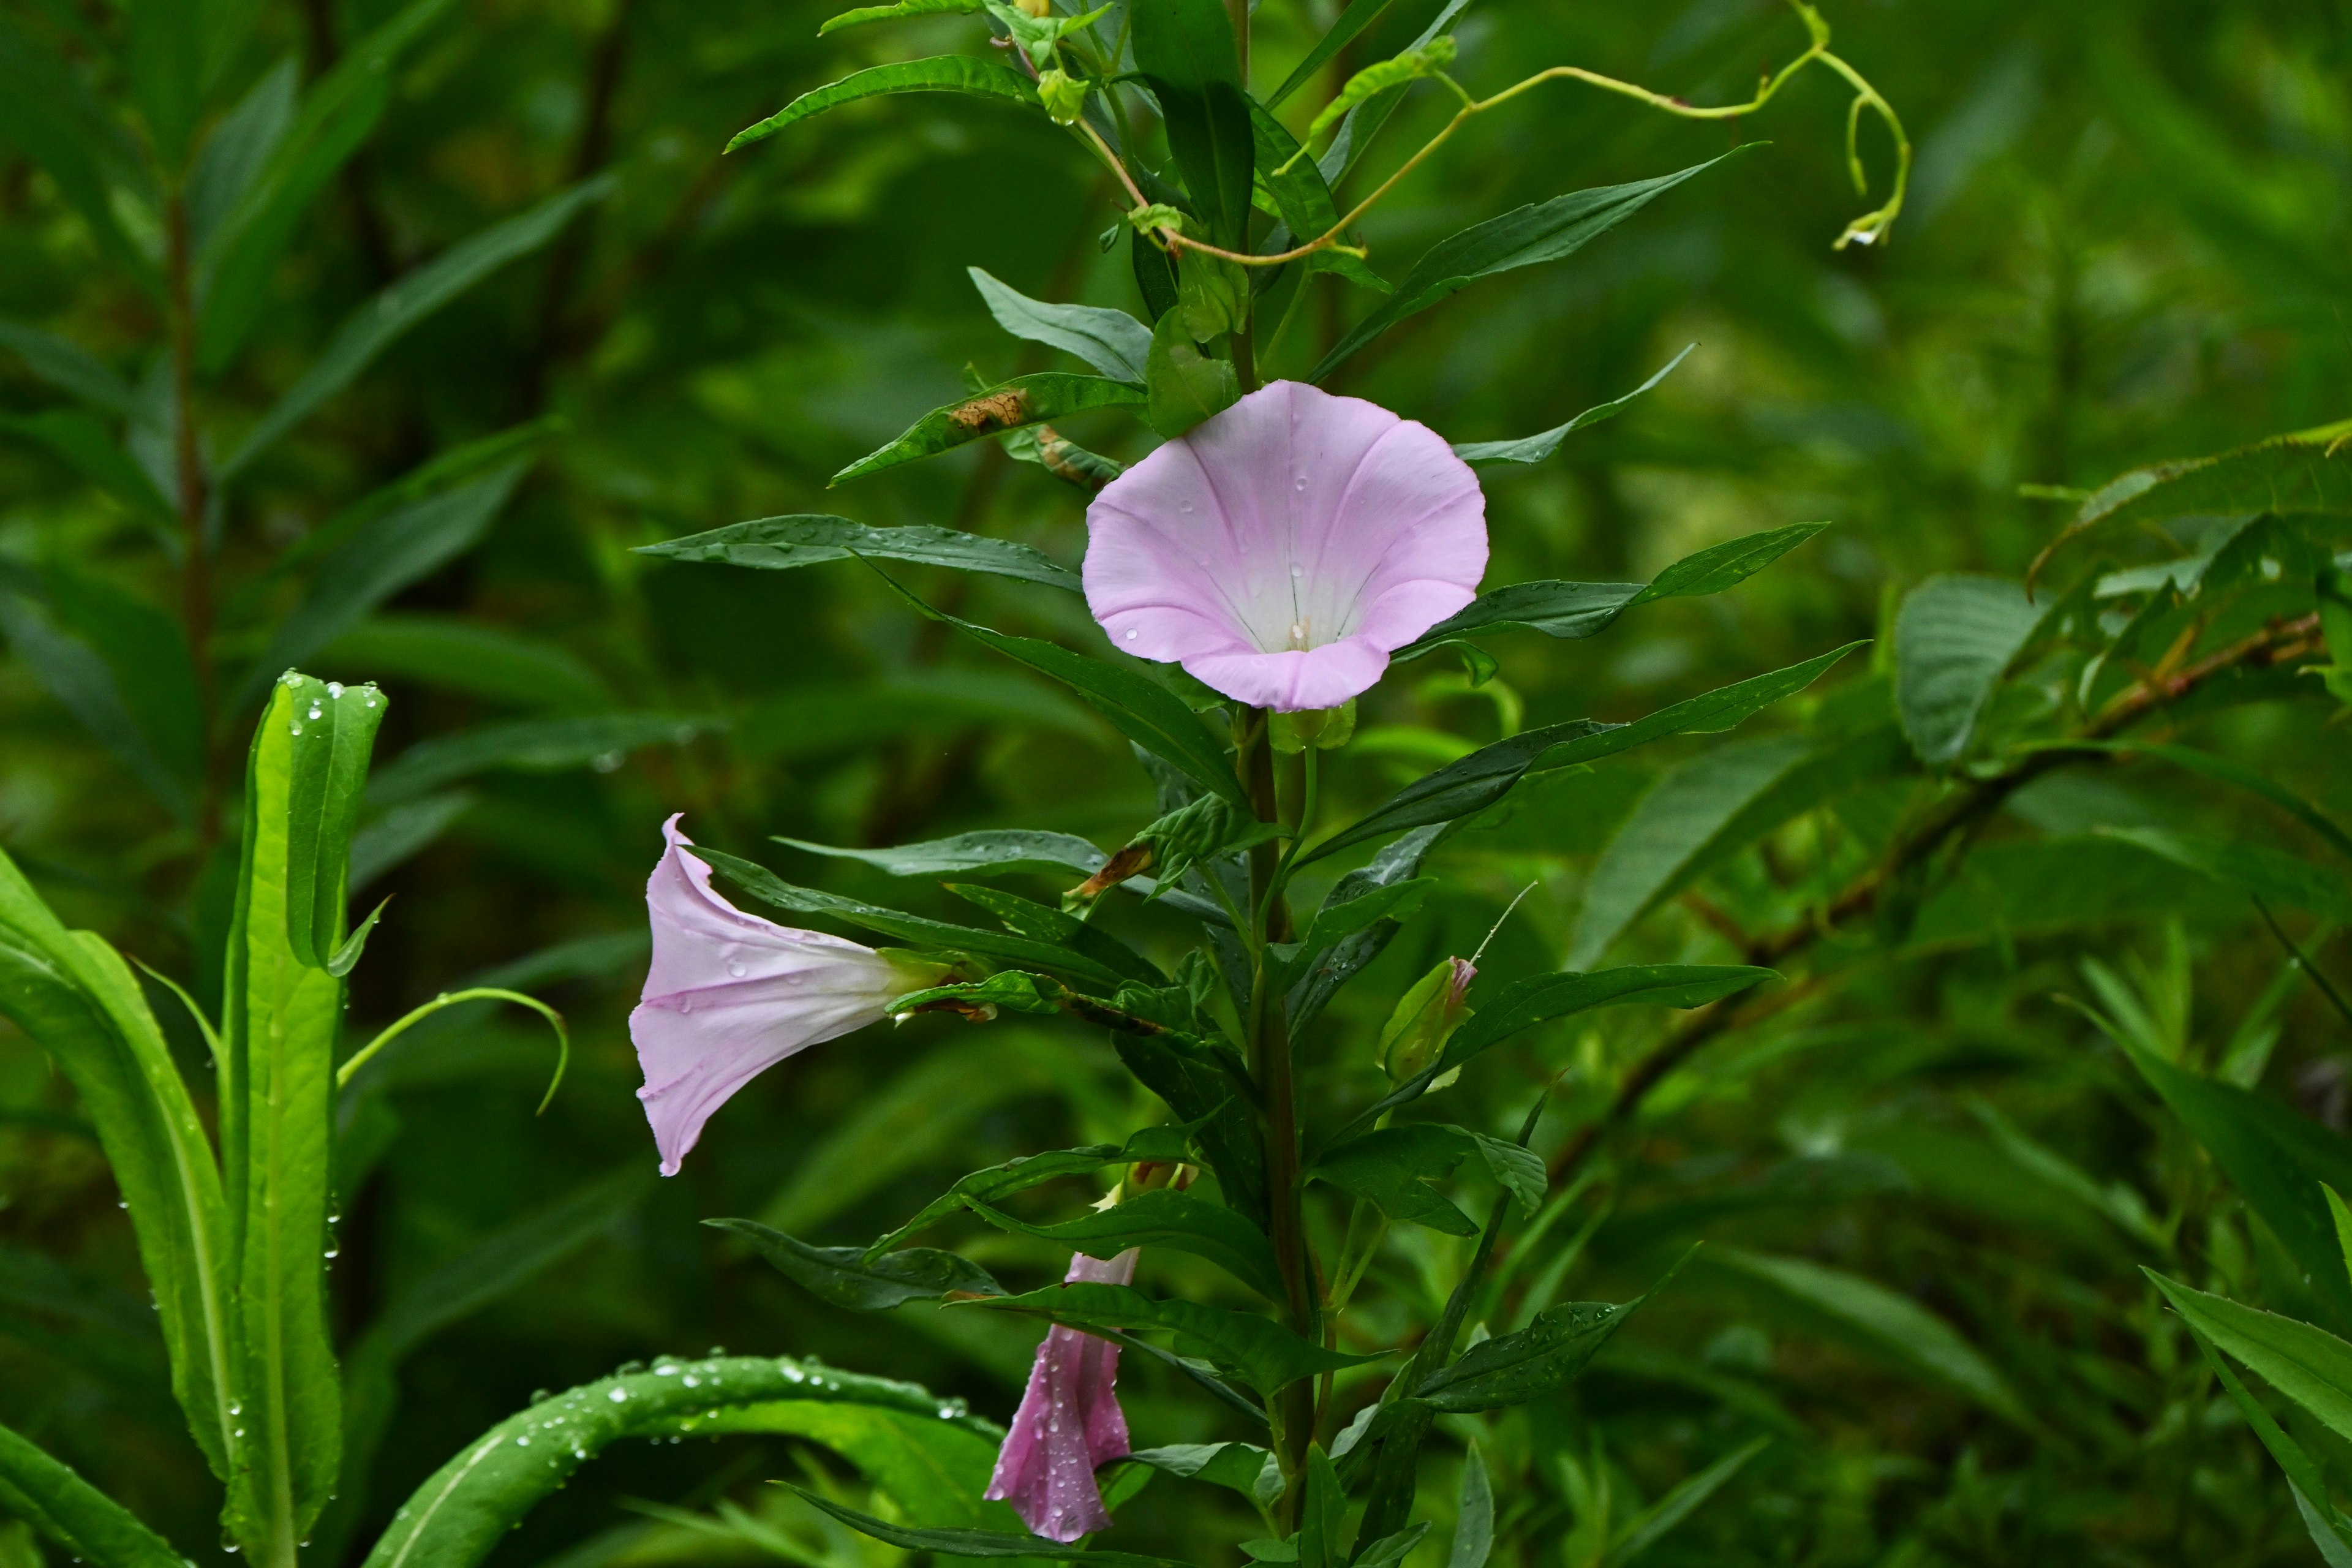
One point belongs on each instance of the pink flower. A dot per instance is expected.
(1069, 1423)
(1281, 550)
(730, 996)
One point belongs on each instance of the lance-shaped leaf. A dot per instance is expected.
(768, 887)
(2308, 472)
(1008, 405)
(1240, 1465)
(1267, 1356)
(903, 8)
(528, 745)
(1043, 922)
(1208, 1088)
(1360, 14)
(1162, 1218)
(1305, 202)
(999, 1181)
(1137, 706)
(1544, 232)
(850, 1278)
(2259, 871)
(941, 73)
(48, 115)
(1113, 342)
(1485, 775)
(468, 1506)
(377, 324)
(75, 998)
(2225, 770)
(975, 1543)
(1346, 959)
(1394, 1167)
(1185, 50)
(88, 1523)
(1575, 610)
(1338, 920)
(781, 543)
(335, 728)
(1536, 447)
(1542, 1359)
(1953, 639)
(81, 442)
(280, 1028)
(1416, 64)
(1003, 851)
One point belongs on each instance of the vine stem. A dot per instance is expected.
(2275, 645)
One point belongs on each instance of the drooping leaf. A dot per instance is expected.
(1008, 405)
(865, 14)
(1892, 1326)
(1544, 232)
(976, 1543)
(1003, 850)
(2273, 876)
(770, 889)
(850, 1278)
(1266, 1356)
(1954, 637)
(999, 1181)
(941, 73)
(1536, 447)
(1485, 775)
(469, 1505)
(1161, 1218)
(527, 745)
(1335, 923)
(380, 321)
(1473, 1516)
(80, 1518)
(1538, 1360)
(1113, 342)
(239, 148)
(1541, 997)
(1347, 958)
(1242, 1467)
(1394, 1167)
(1186, 52)
(73, 995)
(781, 543)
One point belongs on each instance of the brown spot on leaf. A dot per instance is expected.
(997, 411)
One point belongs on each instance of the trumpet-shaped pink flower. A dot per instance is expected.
(1069, 1423)
(730, 996)
(1281, 550)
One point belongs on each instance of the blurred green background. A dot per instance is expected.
(2129, 238)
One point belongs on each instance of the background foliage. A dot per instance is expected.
(2126, 241)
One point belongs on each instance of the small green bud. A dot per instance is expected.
(1065, 95)
(1425, 1019)
(1156, 217)
(1325, 729)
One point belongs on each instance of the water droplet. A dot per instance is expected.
(618, 1396)
(334, 1252)
(1297, 571)
(523, 1441)
(1302, 481)
(1132, 634)
(738, 968)
(335, 689)
(294, 727)
(1184, 506)
(607, 762)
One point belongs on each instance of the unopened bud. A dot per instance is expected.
(1132, 861)
(1425, 1019)
(1063, 95)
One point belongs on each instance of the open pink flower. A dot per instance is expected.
(1069, 1423)
(730, 996)
(1281, 550)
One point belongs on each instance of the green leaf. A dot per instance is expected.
(2225, 770)
(1544, 232)
(1347, 959)
(999, 851)
(277, 1096)
(1681, 819)
(1360, 14)
(1137, 706)
(847, 1276)
(81, 442)
(768, 887)
(974, 1543)
(1954, 637)
(468, 1506)
(1485, 775)
(47, 116)
(941, 73)
(238, 149)
(1185, 384)
(527, 745)
(1416, 64)
(1303, 199)
(1267, 1356)
(1186, 52)
(2277, 1159)
(1113, 342)
(74, 997)
(82, 680)
(1538, 1360)
(333, 729)
(1536, 447)
(1321, 1540)
(1161, 1218)
(1206, 1086)
(239, 261)
(383, 556)
(781, 543)
(1243, 1467)
(998, 1181)
(1392, 1168)
(2307, 1364)
(2304, 474)
(2273, 876)
(1893, 1326)
(1043, 922)
(903, 8)
(1653, 1523)
(1008, 405)
(457, 654)
(88, 1523)
(1473, 1516)
(1336, 922)
(382, 320)
(68, 366)
(166, 61)
(1541, 997)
